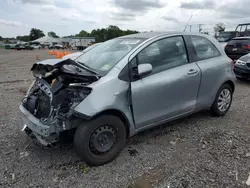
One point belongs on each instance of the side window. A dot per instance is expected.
(204, 48)
(164, 54)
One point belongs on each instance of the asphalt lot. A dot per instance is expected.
(198, 151)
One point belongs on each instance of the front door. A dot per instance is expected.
(172, 87)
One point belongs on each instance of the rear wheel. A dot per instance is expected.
(222, 101)
(100, 140)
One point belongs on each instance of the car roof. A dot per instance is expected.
(244, 24)
(228, 31)
(235, 38)
(147, 35)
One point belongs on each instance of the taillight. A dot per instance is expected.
(246, 47)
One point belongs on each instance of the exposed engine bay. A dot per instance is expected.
(55, 104)
(57, 90)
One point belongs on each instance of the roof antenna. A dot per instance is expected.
(188, 22)
(191, 18)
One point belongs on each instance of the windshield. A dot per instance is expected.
(90, 47)
(105, 56)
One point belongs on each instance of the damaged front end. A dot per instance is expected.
(48, 108)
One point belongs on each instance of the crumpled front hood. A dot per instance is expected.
(245, 58)
(67, 66)
(51, 62)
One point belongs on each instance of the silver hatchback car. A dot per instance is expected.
(124, 86)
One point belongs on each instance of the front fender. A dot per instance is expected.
(112, 94)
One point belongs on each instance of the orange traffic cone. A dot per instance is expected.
(37, 57)
(58, 55)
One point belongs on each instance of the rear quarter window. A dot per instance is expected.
(204, 48)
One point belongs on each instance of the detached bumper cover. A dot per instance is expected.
(34, 124)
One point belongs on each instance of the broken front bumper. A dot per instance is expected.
(45, 134)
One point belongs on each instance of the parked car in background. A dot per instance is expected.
(56, 46)
(124, 86)
(74, 55)
(59, 46)
(242, 68)
(23, 47)
(226, 36)
(36, 46)
(243, 29)
(237, 47)
(9, 46)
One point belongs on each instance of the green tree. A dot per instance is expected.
(104, 34)
(1, 38)
(35, 34)
(53, 34)
(24, 38)
(129, 32)
(219, 27)
(110, 32)
(82, 33)
(69, 36)
(99, 34)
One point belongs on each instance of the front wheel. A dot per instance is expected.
(222, 101)
(100, 140)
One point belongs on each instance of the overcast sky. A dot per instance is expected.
(67, 17)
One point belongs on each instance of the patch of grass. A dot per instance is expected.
(1, 46)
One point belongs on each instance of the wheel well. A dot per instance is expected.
(120, 115)
(229, 82)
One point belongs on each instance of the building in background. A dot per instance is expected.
(78, 43)
(47, 41)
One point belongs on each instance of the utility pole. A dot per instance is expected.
(199, 27)
(188, 22)
(190, 28)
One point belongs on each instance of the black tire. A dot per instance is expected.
(215, 108)
(85, 132)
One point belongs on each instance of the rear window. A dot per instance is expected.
(225, 35)
(242, 41)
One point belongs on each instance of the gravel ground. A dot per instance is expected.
(198, 151)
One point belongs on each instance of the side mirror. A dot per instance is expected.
(144, 69)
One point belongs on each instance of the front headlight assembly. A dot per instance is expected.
(240, 62)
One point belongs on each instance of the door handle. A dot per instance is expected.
(192, 72)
